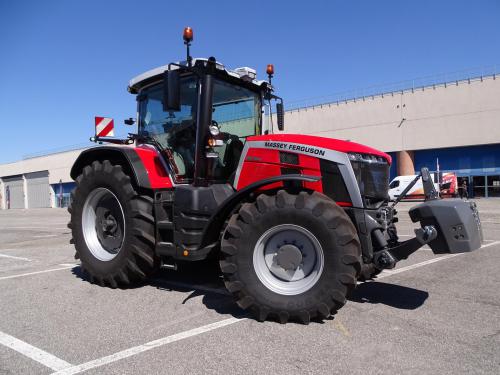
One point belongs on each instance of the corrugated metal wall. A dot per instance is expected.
(38, 189)
(14, 191)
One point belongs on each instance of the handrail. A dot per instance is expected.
(421, 83)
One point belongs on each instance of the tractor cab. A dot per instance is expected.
(200, 114)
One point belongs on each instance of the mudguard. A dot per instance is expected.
(142, 164)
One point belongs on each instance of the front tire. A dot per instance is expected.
(113, 226)
(290, 257)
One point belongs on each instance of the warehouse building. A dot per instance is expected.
(455, 124)
(37, 182)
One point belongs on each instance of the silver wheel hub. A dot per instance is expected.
(103, 224)
(288, 259)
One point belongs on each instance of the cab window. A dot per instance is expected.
(236, 112)
(394, 184)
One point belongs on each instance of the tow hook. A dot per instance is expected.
(387, 258)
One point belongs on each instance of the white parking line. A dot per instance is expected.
(62, 367)
(147, 346)
(34, 353)
(13, 257)
(36, 273)
(43, 228)
(386, 273)
(430, 261)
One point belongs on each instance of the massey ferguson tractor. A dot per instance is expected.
(294, 220)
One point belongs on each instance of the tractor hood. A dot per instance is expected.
(328, 143)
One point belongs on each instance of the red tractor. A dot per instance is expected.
(294, 220)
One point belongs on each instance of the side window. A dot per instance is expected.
(394, 184)
(237, 114)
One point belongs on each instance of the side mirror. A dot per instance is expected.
(129, 121)
(280, 116)
(171, 91)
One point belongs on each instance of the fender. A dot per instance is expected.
(127, 157)
(216, 222)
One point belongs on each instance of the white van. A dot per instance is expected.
(448, 186)
(399, 183)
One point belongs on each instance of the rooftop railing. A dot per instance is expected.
(435, 80)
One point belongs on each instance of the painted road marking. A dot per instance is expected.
(66, 368)
(386, 273)
(147, 346)
(45, 228)
(341, 328)
(36, 273)
(13, 257)
(34, 353)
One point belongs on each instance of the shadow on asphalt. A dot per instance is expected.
(397, 296)
(186, 279)
(207, 276)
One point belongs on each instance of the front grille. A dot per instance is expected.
(289, 158)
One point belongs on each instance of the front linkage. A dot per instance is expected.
(447, 226)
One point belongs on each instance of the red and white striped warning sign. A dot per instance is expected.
(104, 127)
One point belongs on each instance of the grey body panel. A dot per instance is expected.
(457, 222)
(38, 189)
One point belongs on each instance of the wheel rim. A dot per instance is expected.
(288, 259)
(103, 224)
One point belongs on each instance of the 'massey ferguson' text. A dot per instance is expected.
(294, 147)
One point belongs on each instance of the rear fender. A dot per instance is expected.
(142, 164)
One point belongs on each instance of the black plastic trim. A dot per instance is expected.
(139, 173)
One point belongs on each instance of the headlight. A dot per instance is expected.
(366, 158)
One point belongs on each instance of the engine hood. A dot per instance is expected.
(328, 143)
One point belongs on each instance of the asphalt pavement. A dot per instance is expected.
(432, 314)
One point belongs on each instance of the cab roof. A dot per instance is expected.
(151, 76)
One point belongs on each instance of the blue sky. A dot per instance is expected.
(64, 62)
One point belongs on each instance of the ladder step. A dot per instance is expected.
(165, 249)
(163, 224)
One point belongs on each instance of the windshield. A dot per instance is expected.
(236, 111)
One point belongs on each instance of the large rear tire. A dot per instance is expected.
(290, 257)
(113, 226)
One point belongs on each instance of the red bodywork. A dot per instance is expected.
(157, 173)
(261, 163)
(327, 143)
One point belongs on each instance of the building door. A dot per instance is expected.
(478, 186)
(38, 189)
(493, 186)
(14, 191)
